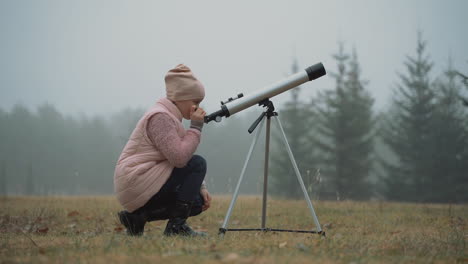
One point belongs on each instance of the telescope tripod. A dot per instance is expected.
(268, 114)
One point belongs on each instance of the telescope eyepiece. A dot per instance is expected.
(315, 71)
(216, 116)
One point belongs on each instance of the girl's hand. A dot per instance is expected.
(197, 113)
(206, 197)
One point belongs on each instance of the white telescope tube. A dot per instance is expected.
(311, 73)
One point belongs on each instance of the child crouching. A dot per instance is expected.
(157, 176)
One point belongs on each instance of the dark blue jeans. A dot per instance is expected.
(184, 184)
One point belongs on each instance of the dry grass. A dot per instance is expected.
(85, 229)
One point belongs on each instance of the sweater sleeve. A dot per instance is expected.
(161, 129)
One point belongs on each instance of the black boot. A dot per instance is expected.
(157, 214)
(134, 223)
(177, 224)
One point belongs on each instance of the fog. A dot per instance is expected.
(75, 77)
(98, 57)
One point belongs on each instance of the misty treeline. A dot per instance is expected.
(414, 150)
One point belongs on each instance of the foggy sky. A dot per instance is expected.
(101, 56)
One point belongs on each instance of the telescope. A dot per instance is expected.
(240, 102)
(262, 98)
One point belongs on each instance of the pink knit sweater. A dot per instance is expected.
(151, 154)
(162, 132)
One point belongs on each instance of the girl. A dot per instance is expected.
(157, 176)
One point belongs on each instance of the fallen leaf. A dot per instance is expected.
(282, 245)
(43, 230)
(118, 229)
(213, 247)
(230, 257)
(73, 213)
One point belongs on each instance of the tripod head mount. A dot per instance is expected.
(269, 112)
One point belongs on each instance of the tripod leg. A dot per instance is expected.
(265, 171)
(236, 192)
(298, 174)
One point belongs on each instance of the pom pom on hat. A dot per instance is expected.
(182, 85)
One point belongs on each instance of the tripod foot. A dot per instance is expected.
(221, 232)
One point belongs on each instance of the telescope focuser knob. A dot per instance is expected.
(232, 99)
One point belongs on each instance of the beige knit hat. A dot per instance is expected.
(182, 85)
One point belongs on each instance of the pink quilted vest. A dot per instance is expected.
(142, 170)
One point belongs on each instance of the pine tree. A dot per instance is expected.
(30, 184)
(329, 126)
(295, 119)
(50, 163)
(464, 79)
(3, 151)
(3, 179)
(408, 130)
(448, 181)
(360, 132)
(20, 145)
(345, 128)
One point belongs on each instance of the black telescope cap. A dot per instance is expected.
(315, 71)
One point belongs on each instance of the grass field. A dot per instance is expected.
(86, 230)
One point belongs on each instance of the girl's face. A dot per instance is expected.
(185, 106)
